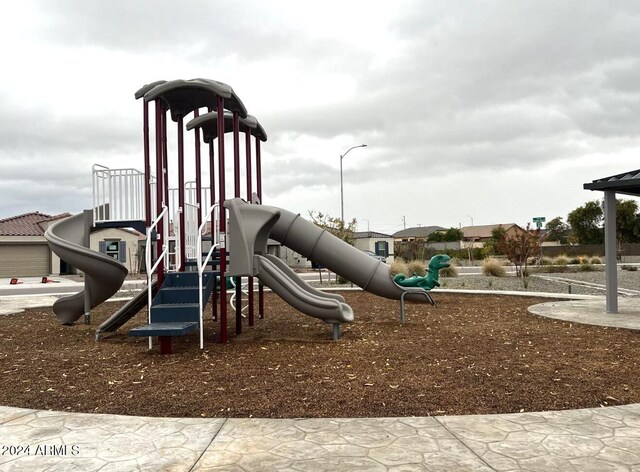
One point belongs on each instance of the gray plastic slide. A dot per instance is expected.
(103, 275)
(251, 225)
(126, 312)
(288, 271)
(329, 310)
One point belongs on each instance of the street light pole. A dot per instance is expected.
(471, 218)
(341, 182)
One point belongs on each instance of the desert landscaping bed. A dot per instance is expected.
(471, 354)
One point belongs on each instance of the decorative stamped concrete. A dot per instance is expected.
(592, 312)
(573, 440)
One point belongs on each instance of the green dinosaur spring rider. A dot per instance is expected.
(430, 280)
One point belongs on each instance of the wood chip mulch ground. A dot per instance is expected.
(470, 355)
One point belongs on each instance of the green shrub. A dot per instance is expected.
(546, 261)
(596, 260)
(341, 280)
(398, 266)
(629, 268)
(586, 267)
(561, 260)
(451, 271)
(574, 260)
(493, 267)
(416, 267)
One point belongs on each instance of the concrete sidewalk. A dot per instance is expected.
(575, 440)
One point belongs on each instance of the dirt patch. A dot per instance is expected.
(471, 354)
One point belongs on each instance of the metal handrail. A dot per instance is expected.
(147, 253)
(202, 264)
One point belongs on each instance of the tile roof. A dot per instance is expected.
(27, 224)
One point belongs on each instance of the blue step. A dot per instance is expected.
(165, 329)
(175, 312)
(176, 295)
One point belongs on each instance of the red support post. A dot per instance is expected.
(147, 165)
(247, 147)
(196, 114)
(223, 221)
(236, 191)
(182, 209)
(159, 191)
(165, 157)
(259, 192)
(212, 190)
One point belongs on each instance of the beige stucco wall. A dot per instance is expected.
(117, 234)
(369, 244)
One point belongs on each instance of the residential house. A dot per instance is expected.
(416, 233)
(476, 236)
(24, 251)
(379, 243)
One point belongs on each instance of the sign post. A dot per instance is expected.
(538, 220)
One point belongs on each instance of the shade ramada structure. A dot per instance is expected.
(627, 183)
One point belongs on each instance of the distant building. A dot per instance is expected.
(25, 252)
(476, 236)
(379, 243)
(416, 233)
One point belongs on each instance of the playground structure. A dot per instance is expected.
(216, 238)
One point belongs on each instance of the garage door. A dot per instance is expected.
(22, 260)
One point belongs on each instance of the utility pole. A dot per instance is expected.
(404, 223)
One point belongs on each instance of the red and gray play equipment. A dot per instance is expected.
(188, 243)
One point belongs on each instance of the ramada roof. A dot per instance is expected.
(28, 224)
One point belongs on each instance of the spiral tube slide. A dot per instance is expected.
(103, 275)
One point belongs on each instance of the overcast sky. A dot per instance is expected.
(483, 111)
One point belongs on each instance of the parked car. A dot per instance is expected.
(374, 255)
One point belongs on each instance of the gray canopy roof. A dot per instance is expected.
(181, 97)
(209, 125)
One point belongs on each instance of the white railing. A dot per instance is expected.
(177, 254)
(213, 214)
(190, 194)
(191, 234)
(122, 191)
(163, 216)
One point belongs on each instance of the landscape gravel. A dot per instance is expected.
(548, 282)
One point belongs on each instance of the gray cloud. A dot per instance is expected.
(469, 86)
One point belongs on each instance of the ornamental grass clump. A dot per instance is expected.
(416, 267)
(596, 260)
(561, 260)
(493, 267)
(398, 266)
(451, 271)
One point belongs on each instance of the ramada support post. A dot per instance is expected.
(223, 222)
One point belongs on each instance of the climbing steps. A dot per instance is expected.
(175, 309)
